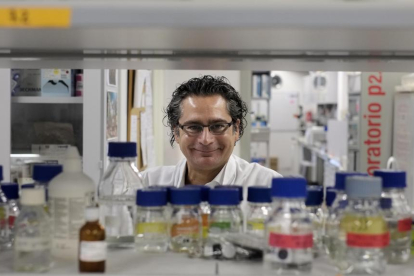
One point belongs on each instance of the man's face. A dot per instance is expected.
(206, 151)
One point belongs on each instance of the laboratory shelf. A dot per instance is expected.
(129, 262)
(47, 100)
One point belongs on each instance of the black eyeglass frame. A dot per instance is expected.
(206, 126)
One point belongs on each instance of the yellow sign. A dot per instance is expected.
(23, 17)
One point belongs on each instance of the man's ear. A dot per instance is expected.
(177, 135)
(237, 129)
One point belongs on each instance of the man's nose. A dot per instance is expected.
(206, 138)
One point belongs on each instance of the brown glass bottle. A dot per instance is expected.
(92, 245)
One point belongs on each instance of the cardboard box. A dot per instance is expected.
(274, 162)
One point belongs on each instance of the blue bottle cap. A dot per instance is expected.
(205, 190)
(392, 179)
(330, 196)
(386, 203)
(151, 197)
(167, 188)
(1, 173)
(185, 196)
(289, 187)
(363, 187)
(315, 196)
(11, 190)
(240, 188)
(340, 179)
(259, 195)
(222, 196)
(46, 172)
(122, 149)
(28, 186)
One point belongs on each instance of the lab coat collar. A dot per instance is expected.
(226, 176)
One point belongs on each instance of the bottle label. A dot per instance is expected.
(187, 227)
(151, 228)
(68, 216)
(368, 240)
(92, 251)
(219, 227)
(255, 225)
(290, 241)
(404, 225)
(204, 222)
(11, 221)
(3, 217)
(31, 244)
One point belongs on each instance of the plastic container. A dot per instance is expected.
(186, 227)
(117, 192)
(399, 221)
(289, 232)
(11, 191)
(313, 203)
(363, 230)
(69, 194)
(92, 245)
(44, 173)
(151, 223)
(259, 199)
(32, 248)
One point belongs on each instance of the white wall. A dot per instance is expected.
(171, 79)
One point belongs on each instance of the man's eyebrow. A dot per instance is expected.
(212, 121)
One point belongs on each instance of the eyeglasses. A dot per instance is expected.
(196, 129)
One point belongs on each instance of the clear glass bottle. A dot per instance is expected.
(314, 205)
(32, 246)
(92, 245)
(289, 232)
(330, 194)
(259, 199)
(185, 224)
(363, 230)
(335, 213)
(11, 191)
(225, 213)
(44, 173)
(117, 192)
(151, 223)
(205, 209)
(394, 184)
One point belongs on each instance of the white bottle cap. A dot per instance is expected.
(92, 214)
(33, 197)
(73, 162)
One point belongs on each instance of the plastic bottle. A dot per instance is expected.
(117, 192)
(186, 228)
(92, 245)
(363, 230)
(314, 205)
(259, 199)
(4, 218)
(44, 173)
(11, 190)
(32, 233)
(335, 213)
(69, 194)
(151, 224)
(393, 185)
(289, 229)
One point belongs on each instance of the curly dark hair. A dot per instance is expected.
(206, 86)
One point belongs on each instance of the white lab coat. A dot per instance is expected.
(236, 172)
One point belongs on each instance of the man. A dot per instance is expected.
(207, 117)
